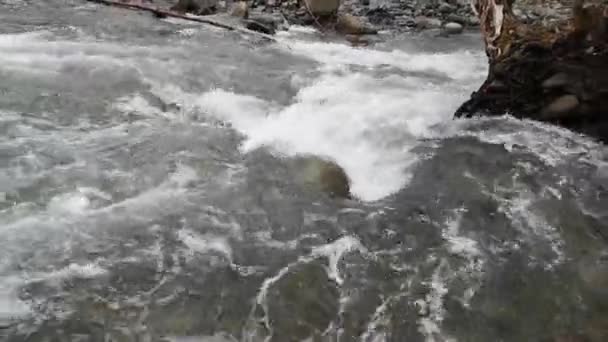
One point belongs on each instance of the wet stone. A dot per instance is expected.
(561, 106)
(556, 81)
(453, 28)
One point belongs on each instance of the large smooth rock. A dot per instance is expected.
(453, 28)
(198, 7)
(323, 7)
(322, 175)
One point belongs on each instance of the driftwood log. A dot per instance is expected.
(138, 5)
(553, 73)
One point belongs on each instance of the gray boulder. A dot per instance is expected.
(447, 8)
(423, 23)
(453, 28)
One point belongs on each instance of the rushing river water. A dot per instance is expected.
(150, 190)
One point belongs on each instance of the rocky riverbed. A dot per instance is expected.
(446, 17)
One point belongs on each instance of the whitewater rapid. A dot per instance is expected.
(122, 151)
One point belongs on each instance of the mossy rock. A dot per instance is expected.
(321, 174)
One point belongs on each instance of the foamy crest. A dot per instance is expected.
(38, 53)
(458, 65)
(73, 270)
(367, 132)
(366, 123)
(71, 203)
(335, 251)
(552, 144)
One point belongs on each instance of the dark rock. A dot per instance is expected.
(405, 21)
(198, 7)
(259, 27)
(556, 81)
(533, 91)
(380, 16)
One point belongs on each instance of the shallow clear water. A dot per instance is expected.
(151, 190)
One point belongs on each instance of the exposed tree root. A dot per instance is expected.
(556, 74)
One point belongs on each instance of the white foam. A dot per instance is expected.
(520, 210)
(335, 251)
(11, 307)
(430, 325)
(552, 144)
(71, 203)
(38, 53)
(458, 244)
(73, 270)
(459, 65)
(204, 244)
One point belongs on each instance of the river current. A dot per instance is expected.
(151, 190)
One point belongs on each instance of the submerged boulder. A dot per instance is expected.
(321, 175)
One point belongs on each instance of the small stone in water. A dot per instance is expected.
(453, 28)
